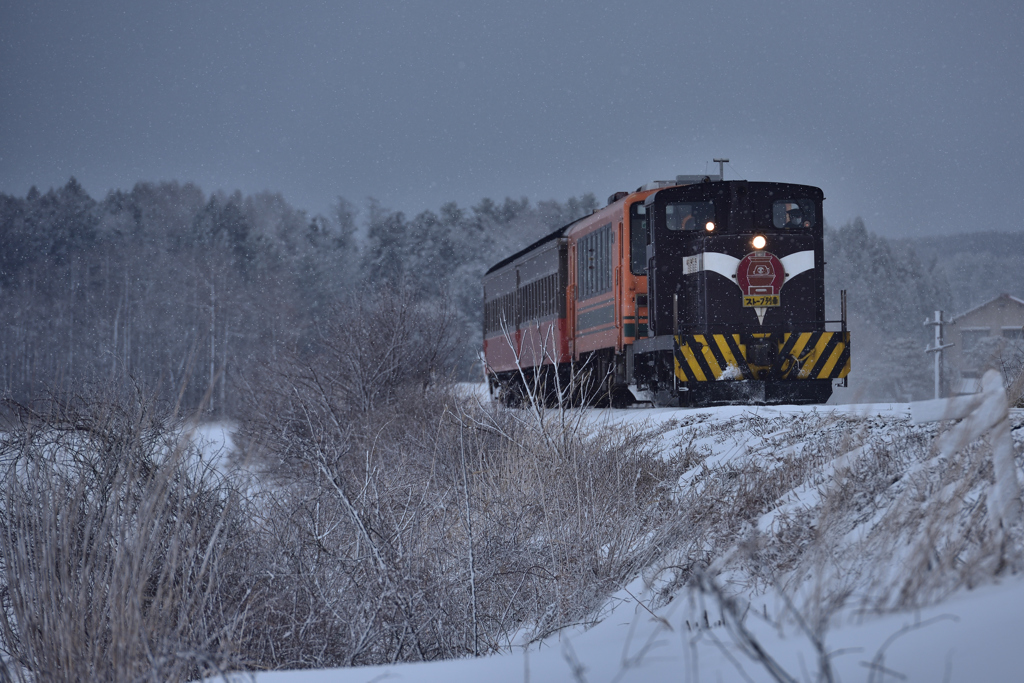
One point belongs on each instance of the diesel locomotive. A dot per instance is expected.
(690, 292)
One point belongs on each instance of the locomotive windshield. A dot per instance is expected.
(688, 215)
(638, 239)
(793, 214)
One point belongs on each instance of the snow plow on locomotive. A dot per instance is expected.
(686, 292)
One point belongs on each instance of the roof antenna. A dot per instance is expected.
(721, 167)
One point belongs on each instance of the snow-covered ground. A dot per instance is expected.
(215, 440)
(970, 634)
(973, 636)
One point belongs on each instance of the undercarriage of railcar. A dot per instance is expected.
(597, 379)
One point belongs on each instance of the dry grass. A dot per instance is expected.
(118, 548)
(833, 514)
(835, 511)
(450, 531)
(406, 523)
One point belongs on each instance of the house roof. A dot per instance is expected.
(1001, 297)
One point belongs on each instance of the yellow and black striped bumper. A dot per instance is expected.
(790, 356)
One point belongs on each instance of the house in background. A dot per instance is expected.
(989, 335)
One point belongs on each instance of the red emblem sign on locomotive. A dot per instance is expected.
(760, 276)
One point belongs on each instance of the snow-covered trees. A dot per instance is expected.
(180, 288)
(184, 290)
(889, 293)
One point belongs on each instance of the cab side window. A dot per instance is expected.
(793, 214)
(680, 216)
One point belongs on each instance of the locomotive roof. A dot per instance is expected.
(704, 187)
(756, 186)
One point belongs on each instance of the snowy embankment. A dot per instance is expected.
(854, 553)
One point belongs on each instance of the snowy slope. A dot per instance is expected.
(976, 636)
(852, 521)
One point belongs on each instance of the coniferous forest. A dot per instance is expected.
(187, 292)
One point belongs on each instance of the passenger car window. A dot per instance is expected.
(793, 214)
(594, 263)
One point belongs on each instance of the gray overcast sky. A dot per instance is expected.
(910, 114)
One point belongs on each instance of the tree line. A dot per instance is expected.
(893, 285)
(186, 291)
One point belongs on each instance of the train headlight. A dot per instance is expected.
(710, 226)
(759, 241)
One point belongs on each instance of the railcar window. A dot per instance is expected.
(500, 314)
(638, 239)
(688, 216)
(594, 262)
(530, 302)
(793, 214)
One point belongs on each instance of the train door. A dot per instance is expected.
(675, 230)
(636, 323)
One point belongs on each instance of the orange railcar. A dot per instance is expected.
(561, 313)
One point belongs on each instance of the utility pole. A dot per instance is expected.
(937, 350)
(721, 167)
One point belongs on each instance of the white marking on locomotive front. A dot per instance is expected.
(723, 264)
(797, 263)
(727, 266)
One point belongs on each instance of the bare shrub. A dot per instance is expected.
(422, 526)
(390, 521)
(470, 537)
(119, 547)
